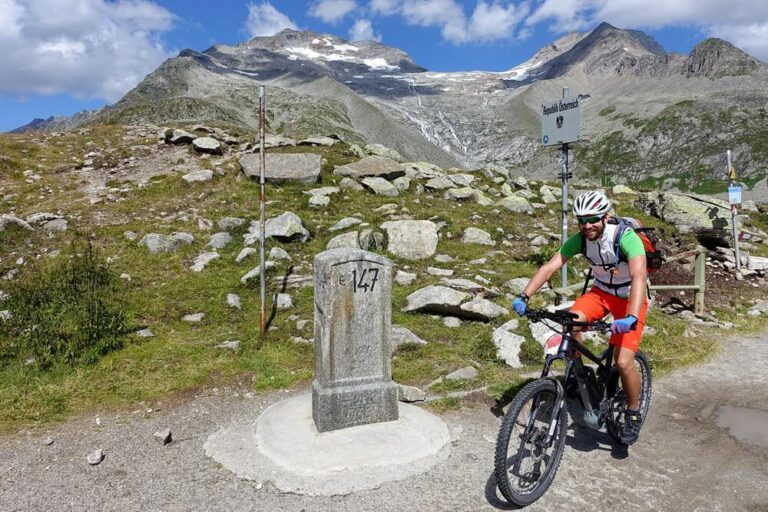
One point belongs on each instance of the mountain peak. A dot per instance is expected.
(716, 58)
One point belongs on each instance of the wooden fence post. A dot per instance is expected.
(699, 279)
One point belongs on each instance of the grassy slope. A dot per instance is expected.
(181, 357)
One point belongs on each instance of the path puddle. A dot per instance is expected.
(745, 424)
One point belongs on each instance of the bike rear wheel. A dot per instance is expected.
(618, 403)
(524, 464)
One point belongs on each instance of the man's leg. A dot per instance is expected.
(630, 379)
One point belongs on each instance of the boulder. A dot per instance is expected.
(402, 336)
(462, 180)
(409, 394)
(402, 184)
(380, 186)
(322, 191)
(508, 344)
(481, 309)
(198, 176)
(404, 278)
(319, 201)
(436, 299)
(345, 223)
(317, 141)
(459, 194)
(467, 285)
(158, 244)
(203, 260)
(273, 141)
(176, 136)
(220, 240)
(280, 168)
(383, 151)
(285, 228)
(477, 236)
(622, 189)
(371, 240)
(439, 183)
(516, 204)
(350, 184)
(344, 240)
(422, 170)
(688, 212)
(371, 167)
(276, 253)
(207, 145)
(230, 223)
(411, 239)
(466, 373)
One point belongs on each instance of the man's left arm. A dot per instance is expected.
(637, 291)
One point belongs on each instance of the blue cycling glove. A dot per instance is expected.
(624, 325)
(520, 304)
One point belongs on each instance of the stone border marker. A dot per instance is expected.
(353, 323)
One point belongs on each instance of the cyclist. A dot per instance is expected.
(619, 289)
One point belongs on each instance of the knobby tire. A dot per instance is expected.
(619, 404)
(514, 446)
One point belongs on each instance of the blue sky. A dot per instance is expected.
(62, 56)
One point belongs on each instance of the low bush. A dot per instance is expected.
(68, 310)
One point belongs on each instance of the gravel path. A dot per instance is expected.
(683, 461)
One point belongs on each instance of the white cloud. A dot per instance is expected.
(265, 20)
(385, 7)
(362, 30)
(332, 11)
(89, 49)
(494, 21)
(744, 22)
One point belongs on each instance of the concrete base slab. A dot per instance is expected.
(284, 447)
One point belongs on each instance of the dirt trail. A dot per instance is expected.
(683, 461)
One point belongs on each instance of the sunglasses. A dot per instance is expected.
(589, 220)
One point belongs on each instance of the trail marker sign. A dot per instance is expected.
(560, 122)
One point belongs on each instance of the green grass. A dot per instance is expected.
(181, 358)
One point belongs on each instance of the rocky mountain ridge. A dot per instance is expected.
(365, 91)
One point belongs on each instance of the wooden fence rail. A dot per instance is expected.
(699, 279)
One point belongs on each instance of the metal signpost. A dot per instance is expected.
(734, 198)
(262, 276)
(560, 125)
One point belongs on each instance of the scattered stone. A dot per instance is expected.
(477, 236)
(371, 240)
(284, 301)
(622, 189)
(130, 236)
(317, 141)
(158, 244)
(163, 436)
(319, 201)
(466, 373)
(285, 228)
(459, 194)
(220, 240)
(466, 285)
(439, 271)
(254, 272)
(404, 278)
(380, 186)
(384, 151)
(230, 223)
(439, 183)
(203, 260)
(95, 458)
(350, 184)
(436, 299)
(411, 239)
(193, 318)
(482, 309)
(462, 180)
(516, 204)
(402, 336)
(145, 333)
(345, 223)
(6, 219)
(281, 168)
(182, 237)
(277, 253)
(371, 166)
(56, 225)
(451, 321)
(349, 240)
(198, 176)
(322, 191)
(245, 253)
(233, 301)
(301, 324)
(547, 196)
(48, 441)
(232, 345)
(410, 394)
(508, 344)
(176, 136)
(207, 145)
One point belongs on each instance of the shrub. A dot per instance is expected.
(70, 310)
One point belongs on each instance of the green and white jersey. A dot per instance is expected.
(609, 276)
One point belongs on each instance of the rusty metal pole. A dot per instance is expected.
(262, 227)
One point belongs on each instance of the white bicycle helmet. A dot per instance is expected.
(591, 203)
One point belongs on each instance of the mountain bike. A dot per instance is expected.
(532, 435)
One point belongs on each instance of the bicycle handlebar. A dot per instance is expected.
(565, 318)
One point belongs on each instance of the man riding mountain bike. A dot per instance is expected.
(619, 289)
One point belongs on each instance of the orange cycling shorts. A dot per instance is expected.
(596, 303)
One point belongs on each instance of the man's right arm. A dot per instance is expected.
(544, 273)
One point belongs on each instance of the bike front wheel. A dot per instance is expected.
(530, 443)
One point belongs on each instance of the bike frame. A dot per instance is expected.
(574, 365)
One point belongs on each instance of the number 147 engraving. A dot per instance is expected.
(366, 281)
